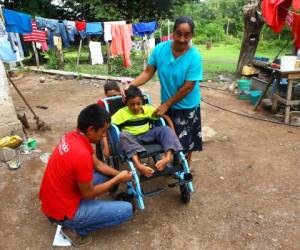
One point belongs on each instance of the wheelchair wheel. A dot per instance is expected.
(126, 197)
(185, 194)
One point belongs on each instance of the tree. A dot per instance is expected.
(253, 23)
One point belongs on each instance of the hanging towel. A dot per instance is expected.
(17, 22)
(275, 13)
(142, 29)
(296, 30)
(6, 53)
(107, 29)
(96, 52)
(94, 28)
(121, 42)
(36, 35)
(16, 45)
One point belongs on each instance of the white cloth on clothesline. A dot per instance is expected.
(96, 52)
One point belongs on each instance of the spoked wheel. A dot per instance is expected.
(185, 194)
(126, 197)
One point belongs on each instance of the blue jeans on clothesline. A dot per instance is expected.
(95, 214)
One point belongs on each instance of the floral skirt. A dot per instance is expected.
(187, 123)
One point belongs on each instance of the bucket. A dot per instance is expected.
(254, 96)
(242, 84)
(244, 89)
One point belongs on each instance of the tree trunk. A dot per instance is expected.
(253, 23)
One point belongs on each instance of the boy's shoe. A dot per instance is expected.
(75, 239)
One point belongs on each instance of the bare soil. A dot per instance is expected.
(246, 179)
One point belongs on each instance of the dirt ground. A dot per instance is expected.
(246, 179)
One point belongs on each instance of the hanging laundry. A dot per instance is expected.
(2, 30)
(96, 52)
(71, 29)
(16, 45)
(6, 53)
(166, 38)
(296, 30)
(94, 28)
(80, 26)
(41, 23)
(37, 36)
(142, 29)
(121, 42)
(296, 5)
(63, 34)
(107, 29)
(57, 42)
(17, 22)
(275, 13)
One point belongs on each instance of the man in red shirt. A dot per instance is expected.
(74, 177)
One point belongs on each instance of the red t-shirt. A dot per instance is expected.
(70, 163)
(80, 25)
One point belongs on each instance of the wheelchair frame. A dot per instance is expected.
(180, 171)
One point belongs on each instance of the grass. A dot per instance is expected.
(220, 59)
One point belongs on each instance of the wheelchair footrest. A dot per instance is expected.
(188, 177)
(153, 192)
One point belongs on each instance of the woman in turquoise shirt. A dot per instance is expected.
(179, 68)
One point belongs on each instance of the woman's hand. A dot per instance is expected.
(161, 110)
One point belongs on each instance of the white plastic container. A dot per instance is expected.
(288, 63)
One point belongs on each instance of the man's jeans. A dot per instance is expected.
(94, 214)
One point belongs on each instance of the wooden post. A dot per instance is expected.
(79, 51)
(36, 55)
(168, 29)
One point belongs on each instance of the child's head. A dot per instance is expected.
(134, 99)
(111, 88)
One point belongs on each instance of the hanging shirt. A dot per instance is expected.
(121, 42)
(142, 29)
(96, 52)
(94, 28)
(16, 45)
(275, 12)
(172, 72)
(6, 53)
(17, 22)
(80, 26)
(107, 29)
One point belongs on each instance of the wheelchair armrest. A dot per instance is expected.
(160, 122)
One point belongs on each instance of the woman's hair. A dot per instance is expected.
(184, 19)
(92, 115)
(133, 92)
(111, 85)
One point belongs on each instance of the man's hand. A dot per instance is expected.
(161, 110)
(124, 176)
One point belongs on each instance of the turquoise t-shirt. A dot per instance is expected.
(173, 72)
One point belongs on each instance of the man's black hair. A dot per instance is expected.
(111, 85)
(133, 92)
(184, 19)
(92, 115)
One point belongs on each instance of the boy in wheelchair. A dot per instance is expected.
(135, 122)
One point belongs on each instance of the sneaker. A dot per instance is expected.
(75, 239)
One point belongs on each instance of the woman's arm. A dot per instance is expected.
(169, 122)
(144, 77)
(186, 88)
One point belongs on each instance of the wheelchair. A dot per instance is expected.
(178, 169)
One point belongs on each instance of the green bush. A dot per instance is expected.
(53, 62)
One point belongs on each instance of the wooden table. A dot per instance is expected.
(291, 76)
